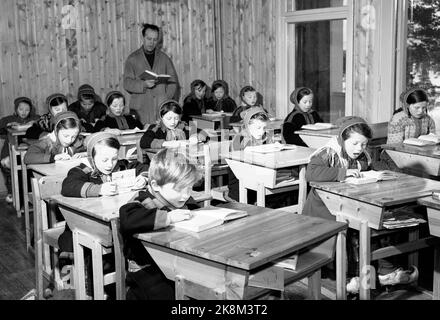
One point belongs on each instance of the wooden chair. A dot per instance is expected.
(46, 232)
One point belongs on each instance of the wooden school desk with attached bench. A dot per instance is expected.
(219, 263)
(363, 207)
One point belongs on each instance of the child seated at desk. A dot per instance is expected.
(24, 114)
(249, 99)
(171, 179)
(56, 103)
(116, 120)
(88, 107)
(302, 114)
(168, 129)
(344, 156)
(63, 143)
(85, 182)
(220, 99)
(196, 102)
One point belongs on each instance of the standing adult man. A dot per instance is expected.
(147, 95)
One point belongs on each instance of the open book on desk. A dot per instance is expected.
(318, 126)
(207, 218)
(423, 140)
(269, 148)
(217, 114)
(150, 75)
(372, 176)
(73, 162)
(132, 131)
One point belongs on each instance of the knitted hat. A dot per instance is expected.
(22, 99)
(93, 139)
(64, 115)
(86, 89)
(166, 102)
(246, 89)
(294, 95)
(107, 97)
(346, 122)
(54, 96)
(404, 97)
(249, 113)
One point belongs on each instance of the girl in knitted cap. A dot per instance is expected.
(196, 102)
(23, 115)
(220, 100)
(249, 99)
(116, 120)
(302, 114)
(63, 143)
(55, 103)
(169, 129)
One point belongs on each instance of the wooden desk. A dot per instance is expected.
(433, 208)
(91, 221)
(319, 138)
(213, 122)
(363, 207)
(221, 260)
(424, 160)
(16, 152)
(257, 171)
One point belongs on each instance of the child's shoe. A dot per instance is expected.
(353, 285)
(399, 276)
(9, 199)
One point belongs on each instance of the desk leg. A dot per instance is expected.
(413, 258)
(14, 180)
(314, 284)
(25, 201)
(302, 190)
(78, 252)
(436, 284)
(341, 265)
(242, 193)
(364, 261)
(261, 195)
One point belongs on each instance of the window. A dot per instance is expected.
(423, 46)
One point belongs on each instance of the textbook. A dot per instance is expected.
(217, 114)
(132, 131)
(289, 263)
(270, 148)
(372, 176)
(423, 140)
(124, 180)
(207, 218)
(150, 75)
(73, 162)
(318, 126)
(21, 127)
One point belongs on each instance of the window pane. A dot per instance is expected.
(293, 5)
(320, 64)
(423, 45)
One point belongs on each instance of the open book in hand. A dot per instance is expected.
(150, 75)
(318, 126)
(423, 140)
(269, 148)
(372, 176)
(124, 180)
(207, 218)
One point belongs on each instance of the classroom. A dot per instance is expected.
(220, 150)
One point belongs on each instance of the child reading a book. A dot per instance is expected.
(24, 114)
(171, 179)
(168, 130)
(302, 114)
(116, 120)
(344, 156)
(88, 107)
(196, 102)
(55, 103)
(220, 100)
(63, 143)
(249, 99)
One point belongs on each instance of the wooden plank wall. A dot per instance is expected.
(248, 46)
(44, 49)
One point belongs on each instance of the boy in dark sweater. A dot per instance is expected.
(167, 200)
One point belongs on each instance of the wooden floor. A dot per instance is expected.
(17, 268)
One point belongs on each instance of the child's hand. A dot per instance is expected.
(179, 215)
(109, 189)
(140, 183)
(116, 132)
(62, 156)
(353, 173)
(193, 140)
(150, 83)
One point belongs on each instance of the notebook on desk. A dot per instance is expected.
(269, 148)
(372, 176)
(207, 218)
(318, 126)
(132, 131)
(423, 140)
